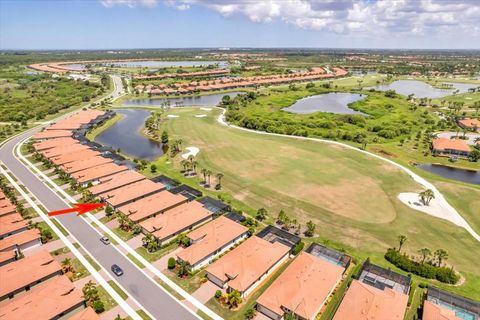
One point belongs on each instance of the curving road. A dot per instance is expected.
(137, 284)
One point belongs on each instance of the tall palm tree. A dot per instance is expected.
(425, 252)
(441, 255)
(401, 241)
(204, 173)
(234, 299)
(209, 173)
(184, 164)
(426, 196)
(193, 165)
(67, 265)
(219, 179)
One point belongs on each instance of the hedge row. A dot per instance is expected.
(426, 270)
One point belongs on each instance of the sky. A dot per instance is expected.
(125, 24)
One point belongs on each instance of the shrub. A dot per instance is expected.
(298, 247)
(218, 294)
(171, 263)
(426, 270)
(98, 306)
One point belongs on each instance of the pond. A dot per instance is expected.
(421, 89)
(205, 100)
(125, 135)
(334, 102)
(155, 64)
(469, 176)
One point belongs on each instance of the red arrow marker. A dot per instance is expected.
(80, 208)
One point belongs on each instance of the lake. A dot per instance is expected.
(155, 64)
(469, 176)
(125, 135)
(334, 102)
(202, 101)
(421, 89)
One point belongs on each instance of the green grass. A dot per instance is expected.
(60, 227)
(60, 251)
(92, 134)
(169, 289)
(135, 260)
(190, 284)
(80, 270)
(122, 234)
(93, 263)
(143, 315)
(415, 300)
(351, 197)
(44, 226)
(152, 257)
(107, 300)
(251, 301)
(118, 290)
(202, 315)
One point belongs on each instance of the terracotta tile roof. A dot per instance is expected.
(52, 143)
(130, 192)
(70, 157)
(6, 255)
(7, 210)
(98, 172)
(55, 152)
(245, 264)
(45, 301)
(443, 144)
(19, 239)
(21, 273)
(83, 164)
(470, 123)
(116, 181)
(175, 220)
(211, 237)
(151, 205)
(76, 120)
(432, 311)
(85, 314)
(364, 302)
(12, 222)
(303, 287)
(51, 134)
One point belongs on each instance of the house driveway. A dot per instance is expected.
(49, 246)
(470, 135)
(206, 292)
(161, 264)
(136, 241)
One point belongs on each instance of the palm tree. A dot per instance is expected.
(310, 228)
(426, 196)
(183, 269)
(150, 242)
(425, 252)
(219, 179)
(194, 167)
(401, 241)
(125, 223)
(209, 173)
(234, 299)
(184, 164)
(67, 265)
(90, 292)
(441, 255)
(261, 214)
(204, 173)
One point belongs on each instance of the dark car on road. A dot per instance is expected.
(117, 270)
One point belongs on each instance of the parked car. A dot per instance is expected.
(117, 270)
(105, 240)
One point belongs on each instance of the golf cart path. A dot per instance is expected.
(442, 208)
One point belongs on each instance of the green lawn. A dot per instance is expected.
(107, 300)
(152, 257)
(120, 292)
(135, 260)
(190, 284)
(122, 234)
(351, 197)
(80, 270)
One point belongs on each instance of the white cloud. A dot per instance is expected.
(361, 17)
(129, 3)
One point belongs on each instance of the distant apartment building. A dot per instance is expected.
(450, 147)
(470, 124)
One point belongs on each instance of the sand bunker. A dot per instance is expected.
(172, 116)
(206, 109)
(200, 115)
(192, 151)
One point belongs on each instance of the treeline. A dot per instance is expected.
(26, 97)
(423, 268)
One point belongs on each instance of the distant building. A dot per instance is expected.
(450, 147)
(442, 305)
(470, 124)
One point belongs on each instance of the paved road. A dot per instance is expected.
(137, 284)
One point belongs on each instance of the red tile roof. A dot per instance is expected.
(19, 239)
(131, 192)
(444, 144)
(303, 287)
(116, 181)
(432, 311)
(97, 172)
